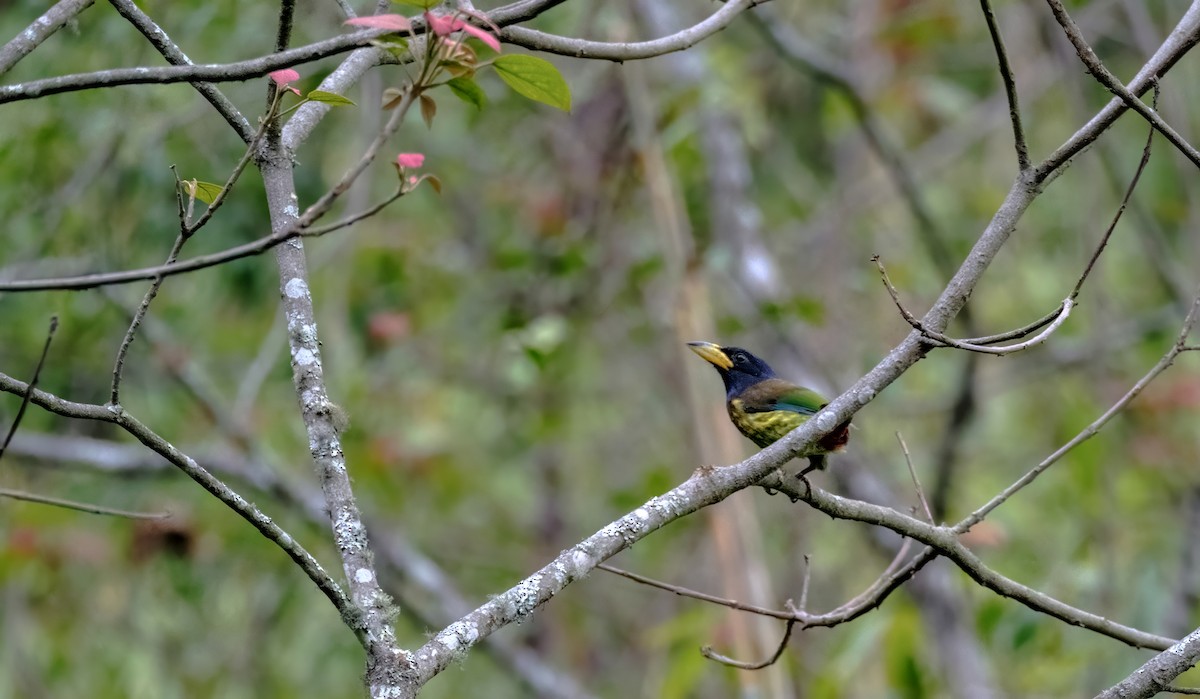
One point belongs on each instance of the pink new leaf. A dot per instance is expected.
(410, 160)
(442, 24)
(481, 34)
(396, 23)
(283, 77)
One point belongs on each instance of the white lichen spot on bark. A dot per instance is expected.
(363, 575)
(295, 288)
(642, 514)
(304, 357)
(525, 596)
(826, 421)
(348, 532)
(307, 334)
(866, 396)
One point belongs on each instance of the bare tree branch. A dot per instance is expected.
(945, 540)
(79, 506)
(611, 51)
(42, 28)
(1091, 430)
(175, 56)
(248, 511)
(1010, 85)
(1092, 62)
(37, 372)
(1182, 38)
(1155, 675)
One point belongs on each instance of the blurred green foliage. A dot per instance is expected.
(506, 356)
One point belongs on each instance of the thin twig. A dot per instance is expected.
(80, 506)
(238, 169)
(804, 583)
(1010, 85)
(946, 542)
(702, 596)
(885, 578)
(940, 339)
(254, 247)
(1094, 66)
(1137, 175)
(1180, 345)
(711, 654)
(888, 581)
(131, 332)
(37, 372)
(913, 472)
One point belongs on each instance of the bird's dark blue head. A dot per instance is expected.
(739, 369)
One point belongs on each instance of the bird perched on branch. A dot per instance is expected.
(763, 406)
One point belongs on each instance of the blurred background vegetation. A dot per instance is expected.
(510, 355)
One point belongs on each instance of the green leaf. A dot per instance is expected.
(422, 4)
(398, 47)
(468, 91)
(535, 78)
(332, 98)
(206, 192)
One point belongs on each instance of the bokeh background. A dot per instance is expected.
(510, 356)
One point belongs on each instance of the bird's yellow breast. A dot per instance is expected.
(764, 428)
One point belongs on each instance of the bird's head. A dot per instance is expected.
(739, 369)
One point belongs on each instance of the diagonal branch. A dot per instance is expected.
(37, 372)
(945, 541)
(175, 56)
(710, 485)
(42, 28)
(1090, 431)
(1182, 39)
(1155, 675)
(1094, 66)
(247, 510)
(1010, 85)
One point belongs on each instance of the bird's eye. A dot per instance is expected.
(739, 358)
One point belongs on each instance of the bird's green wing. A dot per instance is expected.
(776, 394)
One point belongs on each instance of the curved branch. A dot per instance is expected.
(248, 511)
(1088, 432)
(945, 541)
(630, 51)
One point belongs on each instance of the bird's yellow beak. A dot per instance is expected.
(713, 354)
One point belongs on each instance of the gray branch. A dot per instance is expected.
(1154, 676)
(42, 28)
